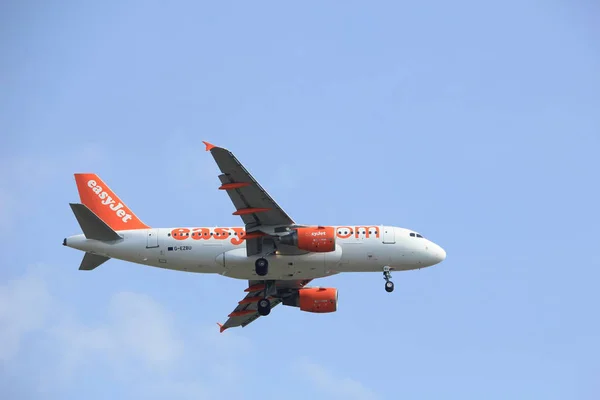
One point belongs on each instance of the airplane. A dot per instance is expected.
(277, 256)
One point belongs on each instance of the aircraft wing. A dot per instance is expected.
(252, 203)
(247, 311)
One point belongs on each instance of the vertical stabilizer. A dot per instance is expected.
(103, 202)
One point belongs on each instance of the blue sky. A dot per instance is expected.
(476, 124)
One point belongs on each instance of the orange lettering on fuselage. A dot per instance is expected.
(341, 232)
(200, 233)
(367, 230)
(344, 232)
(221, 233)
(237, 239)
(236, 235)
(180, 233)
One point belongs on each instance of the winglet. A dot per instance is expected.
(209, 146)
(221, 327)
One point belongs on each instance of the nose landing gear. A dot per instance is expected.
(389, 285)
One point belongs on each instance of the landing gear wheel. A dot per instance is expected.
(389, 286)
(261, 266)
(264, 307)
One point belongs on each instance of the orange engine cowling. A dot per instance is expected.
(318, 300)
(315, 239)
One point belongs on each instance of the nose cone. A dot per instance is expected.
(437, 253)
(441, 254)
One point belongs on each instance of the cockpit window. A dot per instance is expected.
(412, 234)
(419, 235)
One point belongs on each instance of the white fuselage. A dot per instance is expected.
(358, 249)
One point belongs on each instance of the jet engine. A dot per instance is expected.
(318, 300)
(314, 239)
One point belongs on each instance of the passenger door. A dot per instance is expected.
(389, 234)
(152, 238)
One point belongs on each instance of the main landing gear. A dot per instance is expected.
(261, 266)
(264, 304)
(389, 285)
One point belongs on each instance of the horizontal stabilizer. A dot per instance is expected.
(91, 261)
(92, 226)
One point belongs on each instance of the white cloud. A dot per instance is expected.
(333, 385)
(130, 341)
(24, 304)
(137, 334)
(140, 324)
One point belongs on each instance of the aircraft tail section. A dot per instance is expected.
(105, 204)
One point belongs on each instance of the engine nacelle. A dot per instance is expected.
(314, 239)
(318, 300)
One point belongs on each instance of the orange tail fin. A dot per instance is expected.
(98, 197)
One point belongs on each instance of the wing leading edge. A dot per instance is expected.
(252, 203)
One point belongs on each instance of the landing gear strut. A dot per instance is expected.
(264, 304)
(389, 285)
(261, 266)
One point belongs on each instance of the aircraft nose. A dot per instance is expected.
(438, 253)
(441, 254)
